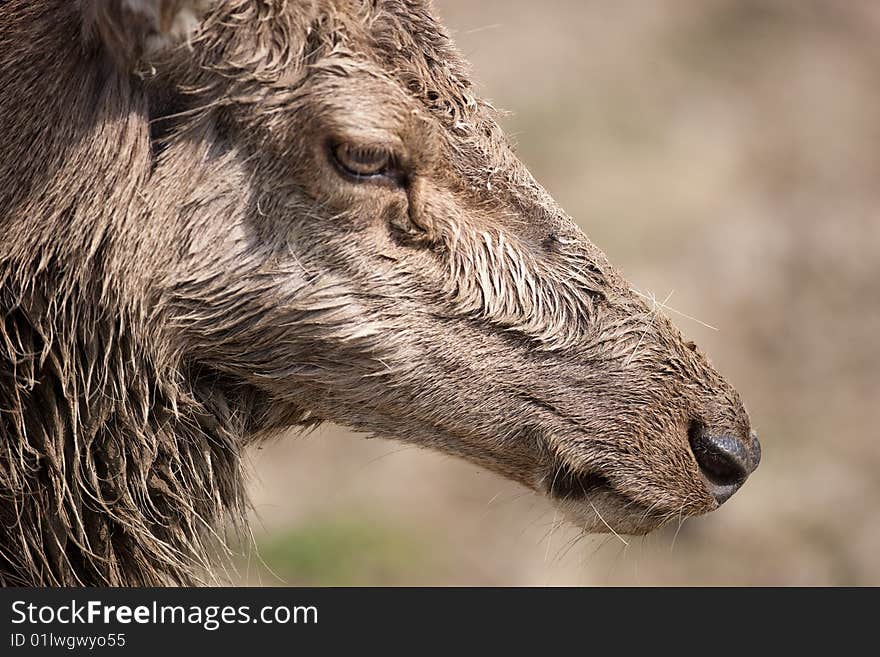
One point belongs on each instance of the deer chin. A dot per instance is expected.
(604, 511)
(592, 503)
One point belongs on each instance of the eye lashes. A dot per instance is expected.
(365, 163)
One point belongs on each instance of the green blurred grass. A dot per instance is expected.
(346, 551)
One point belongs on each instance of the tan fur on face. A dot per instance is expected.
(184, 271)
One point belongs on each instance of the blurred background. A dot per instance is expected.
(724, 150)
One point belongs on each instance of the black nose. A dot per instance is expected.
(726, 461)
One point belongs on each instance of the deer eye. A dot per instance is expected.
(365, 163)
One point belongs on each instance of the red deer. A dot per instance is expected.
(222, 220)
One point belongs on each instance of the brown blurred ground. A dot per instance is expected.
(728, 150)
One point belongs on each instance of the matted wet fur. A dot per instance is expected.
(220, 220)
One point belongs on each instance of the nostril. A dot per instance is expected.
(723, 459)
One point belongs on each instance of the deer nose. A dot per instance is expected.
(726, 461)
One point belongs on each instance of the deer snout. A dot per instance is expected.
(725, 460)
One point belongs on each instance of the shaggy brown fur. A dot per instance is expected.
(197, 250)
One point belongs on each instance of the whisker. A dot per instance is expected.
(654, 312)
(550, 537)
(677, 312)
(610, 528)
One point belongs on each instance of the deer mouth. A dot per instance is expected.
(566, 484)
(592, 502)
